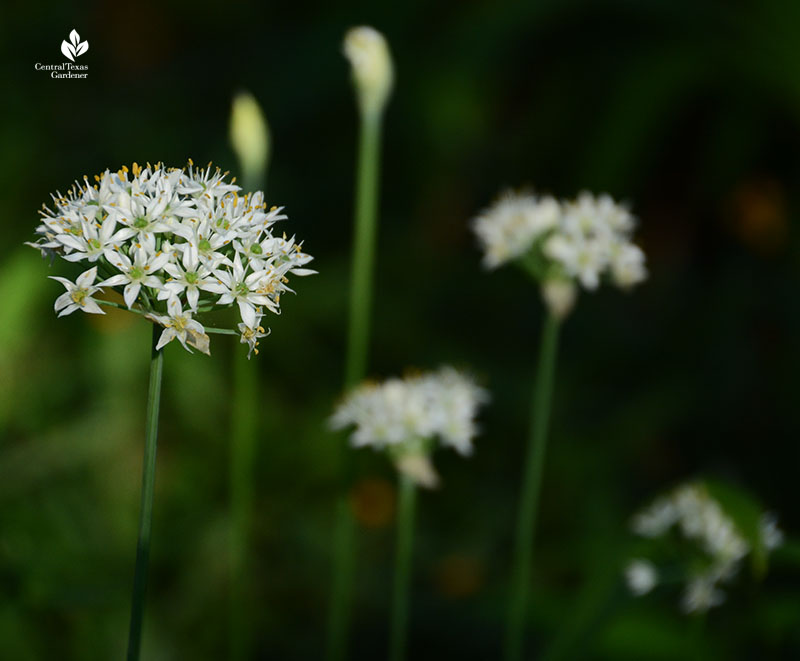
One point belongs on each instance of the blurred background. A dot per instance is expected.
(689, 110)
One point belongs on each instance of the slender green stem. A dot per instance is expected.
(222, 331)
(339, 613)
(402, 568)
(363, 249)
(242, 483)
(531, 487)
(243, 450)
(148, 488)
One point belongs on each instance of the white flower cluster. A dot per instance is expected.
(581, 240)
(405, 415)
(175, 242)
(700, 519)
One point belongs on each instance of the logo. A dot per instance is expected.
(69, 49)
(74, 46)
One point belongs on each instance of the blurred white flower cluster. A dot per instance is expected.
(405, 416)
(174, 242)
(562, 243)
(701, 520)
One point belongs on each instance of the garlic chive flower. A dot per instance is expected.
(564, 244)
(78, 295)
(407, 416)
(713, 545)
(174, 242)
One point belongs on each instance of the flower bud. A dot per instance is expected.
(419, 468)
(559, 296)
(249, 134)
(373, 73)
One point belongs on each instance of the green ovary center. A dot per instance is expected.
(136, 273)
(204, 245)
(178, 323)
(242, 289)
(191, 278)
(94, 244)
(256, 249)
(140, 223)
(79, 295)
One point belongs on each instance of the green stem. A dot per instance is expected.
(243, 450)
(221, 331)
(363, 249)
(244, 412)
(366, 193)
(148, 488)
(402, 568)
(531, 488)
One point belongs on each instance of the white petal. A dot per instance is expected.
(114, 281)
(130, 293)
(91, 307)
(86, 278)
(248, 313)
(167, 336)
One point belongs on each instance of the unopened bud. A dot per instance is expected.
(249, 135)
(559, 296)
(373, 73)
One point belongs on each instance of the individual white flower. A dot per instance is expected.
(580, 256)
(701, 594)
(94, 239)
(244, 289)
(137, 273)
(204, 182)
(509, 227)
(179, 324)
(656, 519)
(627, 265)
(373, 73)
(771, 535)
(188, 278)
(79, 294)
(454, 399)
(209, 242)
(142, 215)
(641, 576)
(251, 335)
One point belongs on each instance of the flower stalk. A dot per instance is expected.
(531, 489)
(402, 568)
(249, 135)
(148, 489)
(372, 76)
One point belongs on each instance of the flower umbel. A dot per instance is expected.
(714, 544)
(562, 244)
(406, 416)
(175, 243)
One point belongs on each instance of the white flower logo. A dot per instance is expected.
(74, 46)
